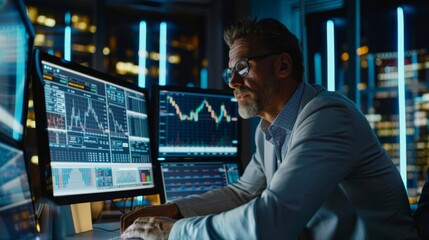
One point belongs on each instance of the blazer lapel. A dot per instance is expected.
(270, 161)
(269, 153)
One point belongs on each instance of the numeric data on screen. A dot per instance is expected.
(93, 121)
(98, 133)
(184, 179)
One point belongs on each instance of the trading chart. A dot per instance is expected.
(199, 124)
(98, 133)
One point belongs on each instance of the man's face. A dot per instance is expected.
(255, 91)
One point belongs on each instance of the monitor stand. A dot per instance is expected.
(75, 221)
(81, 215)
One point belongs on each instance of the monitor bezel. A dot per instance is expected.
(42, 133)
(155, 96)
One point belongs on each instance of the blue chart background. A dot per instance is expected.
(184, 179)
(198, 129)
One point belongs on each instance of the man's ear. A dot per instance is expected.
(285, 65)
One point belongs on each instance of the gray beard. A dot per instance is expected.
(250, 110)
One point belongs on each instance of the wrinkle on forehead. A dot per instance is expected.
(242, 47)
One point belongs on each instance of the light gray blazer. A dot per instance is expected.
(335, 182)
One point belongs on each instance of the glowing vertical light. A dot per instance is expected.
(371, 81)
(204, 79)
(163, 54)
(401, 99)
(67, 37)
(330, 54)
(142, 54)
(318, 68)
(20, 83)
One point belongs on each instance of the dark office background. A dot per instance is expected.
(105, 36)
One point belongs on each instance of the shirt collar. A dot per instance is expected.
(287, 116)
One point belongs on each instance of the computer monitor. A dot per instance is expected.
(181, 179)
(194, 123)
(93, 133)
(16, 42)
(197, 134)
(17, 217)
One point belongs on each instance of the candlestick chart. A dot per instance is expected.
(196, 123)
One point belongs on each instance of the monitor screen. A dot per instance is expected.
(17, 219)
(181, 179)
(16, 36)
(196, 123)
(93, 132)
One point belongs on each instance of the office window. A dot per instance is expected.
(64, 28)
(184, 47)
(377, 93)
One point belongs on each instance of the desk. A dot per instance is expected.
(101, 231)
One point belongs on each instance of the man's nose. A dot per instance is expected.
(236, 80)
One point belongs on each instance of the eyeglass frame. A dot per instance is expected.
(233, 70)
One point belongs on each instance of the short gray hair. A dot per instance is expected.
(273, 36)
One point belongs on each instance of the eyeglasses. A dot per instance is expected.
(241, 67)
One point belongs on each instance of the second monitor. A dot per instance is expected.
(196, 123)
(198, 139)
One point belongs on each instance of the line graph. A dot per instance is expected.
(197, 124)
(194, 114)
(117, 122)
(126, 177)
(86, 115)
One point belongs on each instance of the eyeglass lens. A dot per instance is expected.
(241, 68)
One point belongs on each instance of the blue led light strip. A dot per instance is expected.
(401, 99)
(204, 78)
(162, 53)
(20, 84)
(318, 68)
(330, 55)
(67, 37)
(142, 54)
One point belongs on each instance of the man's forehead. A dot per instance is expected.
(243, 47)
(240, 46)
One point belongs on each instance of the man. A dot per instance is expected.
(318, 172)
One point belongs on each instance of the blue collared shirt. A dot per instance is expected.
(278, 133)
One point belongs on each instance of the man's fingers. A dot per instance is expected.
(149, 228)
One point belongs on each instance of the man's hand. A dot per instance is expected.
(149, 228)
(169, 210)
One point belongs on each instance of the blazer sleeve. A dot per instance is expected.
(321, 153)
(250, 185)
